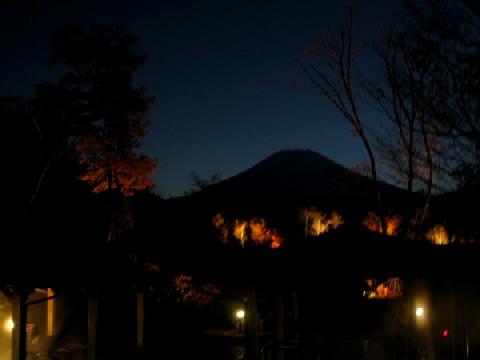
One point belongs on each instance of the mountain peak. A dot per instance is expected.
(300, 160)
(295, 173)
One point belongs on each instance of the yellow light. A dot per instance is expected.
(419, 311)
(240, 314)
(9, 325)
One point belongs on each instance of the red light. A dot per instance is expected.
(445, 333)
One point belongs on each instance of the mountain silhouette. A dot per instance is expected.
(179, 231)
(299, 174)
(276, 189)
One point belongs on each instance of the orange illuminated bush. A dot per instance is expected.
(255, 230)
(220, 224)
(391, 288)
(187, 291)
(438, 235)
(373, 223)
(317, 223)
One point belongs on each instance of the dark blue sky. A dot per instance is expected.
(228, 90)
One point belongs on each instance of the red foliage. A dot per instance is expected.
(105, 169)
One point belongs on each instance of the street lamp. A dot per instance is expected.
(421, 316)
(419, 312)
(240, 316)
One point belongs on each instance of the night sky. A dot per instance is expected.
(228, 89)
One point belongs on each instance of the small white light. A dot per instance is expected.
(240, 314)
(9, 325)
(419, 311)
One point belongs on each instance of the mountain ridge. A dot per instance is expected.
(303, 173)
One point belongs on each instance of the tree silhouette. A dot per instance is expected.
(17, 117)
(409, 146)
(39, 137)
(110, 111)
(449, 33)
(427, 89)
(106, 111)
(199, 183)
(338, 86)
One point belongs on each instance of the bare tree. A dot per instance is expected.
(331, 70)
(450, 32)
(401, 95)
(428, 89)
(199, 183)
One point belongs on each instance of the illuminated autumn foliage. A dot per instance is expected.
(259, 232)
(335, 220)
(187, 291)
(391, 288)
(277, 241)
(317, 223)
(239, 231)
(255, 229)
(105, 170)
(220, 224)
(372, 222)
(438, 235)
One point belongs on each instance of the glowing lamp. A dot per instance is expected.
(419, 311)
(445, 333)
(9, 325)
(240, 314)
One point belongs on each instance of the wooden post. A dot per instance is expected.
(19, 318)
(296, 336)
(251, 345)
(279, 328)
(92, 325)
(50, 313)
(140, 319)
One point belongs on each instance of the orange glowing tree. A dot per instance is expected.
(255, 230)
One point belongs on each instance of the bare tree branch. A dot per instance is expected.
(343, 96)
